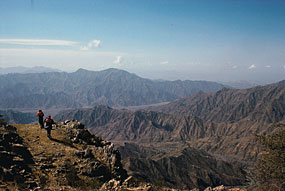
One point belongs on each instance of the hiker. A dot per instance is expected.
(40, 116)
(49, 121)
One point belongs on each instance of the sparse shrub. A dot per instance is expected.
(67, 141)
(95, 183)
(43, 180)
(270, 166)
(159, 183)
(22, 186)
(72, 177)
(20, 182)
(125, 189)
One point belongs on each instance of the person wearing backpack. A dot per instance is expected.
(49, 121)
(40, 116)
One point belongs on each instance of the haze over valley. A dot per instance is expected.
(145, 95)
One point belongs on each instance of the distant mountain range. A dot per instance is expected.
(85, 88)
(13, 117)
(25, 70)
(262, 103)
(218, 126)
(224, 122)
(157, 142)
(240, 84)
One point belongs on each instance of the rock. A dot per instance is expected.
(19, 149)
(46, 166)
(37, 189)
(111, 185)
(97, 170)
(219, 188)
(88, 153)
(130, 182)
(31, 184)
(61, 170)
(79, 154)
(66, 122)
(6, 158)
(7, 175)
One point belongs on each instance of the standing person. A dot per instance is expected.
(49, 121)
(40, 116)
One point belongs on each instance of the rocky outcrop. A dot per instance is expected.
(15, 159)
(78, 160)
(101, 159)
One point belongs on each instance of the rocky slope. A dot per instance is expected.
(88, 88)
(12, 116)
(73, 159)
(233, 117)
(138, 126)
(160, 142)
(230, 140)
(263, 103)
(179, 166)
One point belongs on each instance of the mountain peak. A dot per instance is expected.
(281, 83)
(82, 70)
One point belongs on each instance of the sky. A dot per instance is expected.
(216, 40)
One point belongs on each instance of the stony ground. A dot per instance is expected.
(57, 165)
(49, 155)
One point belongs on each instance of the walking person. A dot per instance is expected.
(49, 121)
(40, 116)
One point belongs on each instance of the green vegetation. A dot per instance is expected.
(270, 167)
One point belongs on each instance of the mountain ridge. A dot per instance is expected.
(21, 69)
(232, 105)
(82, 88)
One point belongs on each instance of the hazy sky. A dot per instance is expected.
(220, 40)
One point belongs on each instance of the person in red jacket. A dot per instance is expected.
(40, 116)
(49, 121)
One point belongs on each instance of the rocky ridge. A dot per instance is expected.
(73, 159)
(15, 159)
(262, 103)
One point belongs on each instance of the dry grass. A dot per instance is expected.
(51, 152)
